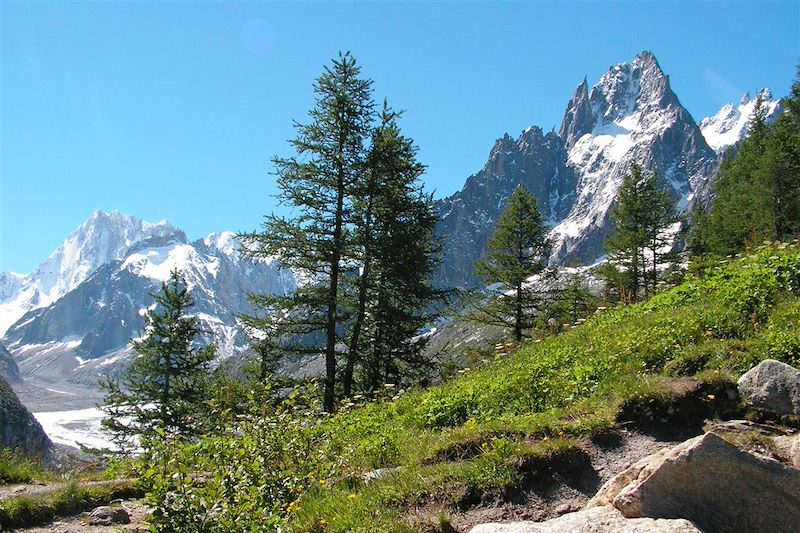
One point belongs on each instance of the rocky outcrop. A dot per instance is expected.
(772, 386)
(8, 367)
(594, 520)
(18, 429)
(712, 483)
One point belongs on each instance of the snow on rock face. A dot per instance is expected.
(730, 124)
(84, 334)
(104, 237)
(630, 115)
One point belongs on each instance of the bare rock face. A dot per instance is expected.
(772, 386)
(18, 429)
(593, 520)
(717, 486)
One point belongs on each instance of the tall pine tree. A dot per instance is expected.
(319, 183)
(392, 292)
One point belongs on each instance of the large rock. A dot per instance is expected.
(594, 520)
(717, 486)
(772, 386)
(18, 429)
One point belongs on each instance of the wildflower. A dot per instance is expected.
(711, 397)
(351, 497)
(323, 522)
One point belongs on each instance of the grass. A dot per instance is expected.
(483, 432)
(15, 468)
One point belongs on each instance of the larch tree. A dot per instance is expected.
(165, 385)
(319, 184)
(515, 252)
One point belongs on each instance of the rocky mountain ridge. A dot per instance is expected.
(102, 238)
(729, 126)
(630, 115)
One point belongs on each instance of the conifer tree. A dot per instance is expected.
(320, 183)
(165, 385)
(641, 214)
(743, 206)
(392, 291)
(515, 252)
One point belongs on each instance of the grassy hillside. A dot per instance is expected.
(491, 430)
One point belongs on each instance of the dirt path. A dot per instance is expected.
(80, 524)
(35, 489)
(568, 489)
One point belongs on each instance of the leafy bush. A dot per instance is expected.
(251, 478)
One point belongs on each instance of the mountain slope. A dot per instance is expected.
(8, 366)
(102, 238)
(467, 218)
(730, 124)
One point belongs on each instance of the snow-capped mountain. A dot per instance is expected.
(630, 115)
(84, 333)
(102, 238)
(729, 125)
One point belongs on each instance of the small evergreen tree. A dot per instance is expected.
(515, 252)
(641, 214)
(165, 385)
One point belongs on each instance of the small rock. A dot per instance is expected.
(569, 507)
(379, 473)
(788, 446)
(772, 386)
(106, 515)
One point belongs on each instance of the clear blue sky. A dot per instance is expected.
(173, 110)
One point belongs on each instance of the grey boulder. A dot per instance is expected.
(593, 520)
(772, 386)
(106, 515)
(712, 483)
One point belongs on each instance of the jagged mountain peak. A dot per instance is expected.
(622, 92)
(630, 114)
(731, 123)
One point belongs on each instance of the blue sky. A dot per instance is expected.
(174, 110)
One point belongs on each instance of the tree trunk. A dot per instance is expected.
(352, 352)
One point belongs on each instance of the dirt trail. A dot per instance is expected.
(567, 489)
(80, 524)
